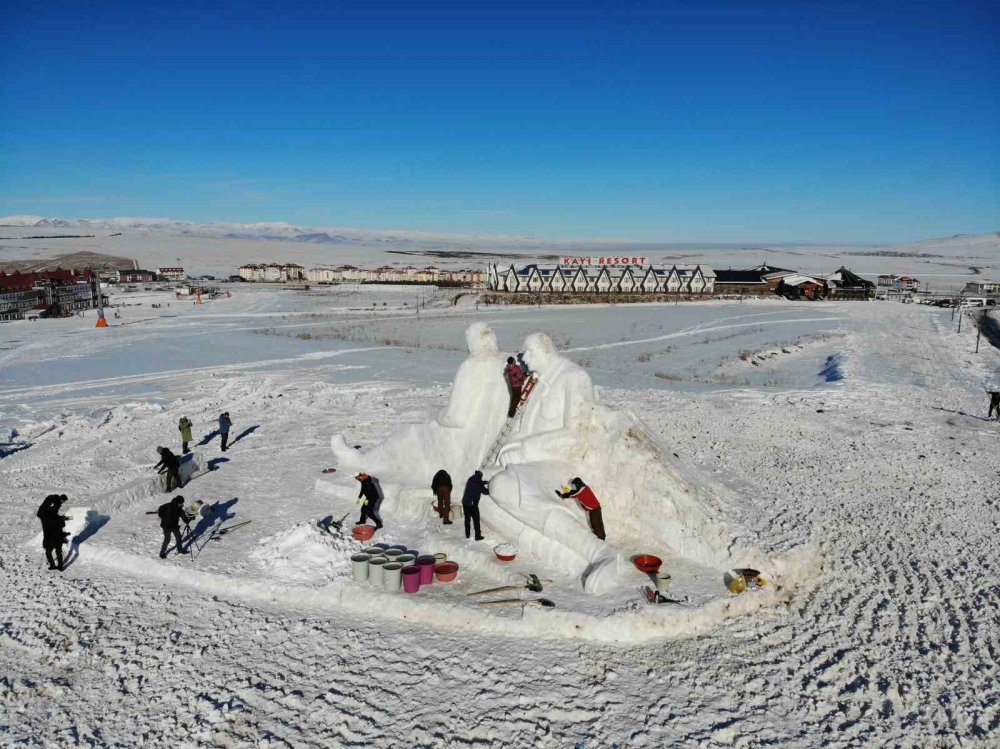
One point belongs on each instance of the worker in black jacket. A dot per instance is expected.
(371, 492)
(53, 529)
(441, 486)
(169, 464)
(171, 514)
(475, 487)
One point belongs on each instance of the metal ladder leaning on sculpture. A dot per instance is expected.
(493, 453)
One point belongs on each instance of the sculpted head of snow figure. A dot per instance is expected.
(539, 353)
(481, 339)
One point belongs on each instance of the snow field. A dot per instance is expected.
(893, 644)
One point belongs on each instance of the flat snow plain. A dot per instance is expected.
(857, 426)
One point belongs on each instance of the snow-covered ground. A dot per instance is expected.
(856, 427)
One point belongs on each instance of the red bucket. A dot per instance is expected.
(446, 572)
(364, 532)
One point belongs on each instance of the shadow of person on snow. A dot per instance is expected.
(961, 413)
(214, 463)
(208, 438)
(94, 522)
(245, 433)
(9, 448)
(220, 513)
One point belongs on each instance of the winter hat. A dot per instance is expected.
(510, 359)
(178, 500)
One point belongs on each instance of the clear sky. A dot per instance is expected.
(653, 120)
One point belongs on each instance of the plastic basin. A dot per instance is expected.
(364, 532)
(446, 572)
(647, 563)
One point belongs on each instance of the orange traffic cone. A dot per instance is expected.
(101, 322)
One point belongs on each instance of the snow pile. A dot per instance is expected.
(652, 501)
(304, 552)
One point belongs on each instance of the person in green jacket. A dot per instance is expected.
(184, 425)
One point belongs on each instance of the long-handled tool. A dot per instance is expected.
(532, 583)
(328, 522)
(544, 602)
(226, 529)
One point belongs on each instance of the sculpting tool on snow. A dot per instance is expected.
(226, 529)
(654, 596)
(532, 583)
(328, 522)
(543, 602)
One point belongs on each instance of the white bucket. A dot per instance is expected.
(392, 575)
(663, 581)
(392, 553)
(376, 567)
(440, 557)
(405, 559)
(359, 566)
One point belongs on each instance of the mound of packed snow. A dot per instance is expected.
(304, 552)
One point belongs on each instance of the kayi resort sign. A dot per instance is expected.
(599, 260)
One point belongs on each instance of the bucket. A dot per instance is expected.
(663, 581)
(391, 576)
(401, 547)
(359, 566)
(376, 567)
(392, 553)
(375, 551)
(426, 566)
(440, 557)
(411, 578)
(364, 532)
(383, 547)
(446, 571)
(406, 559)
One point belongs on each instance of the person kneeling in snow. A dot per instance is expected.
(170, 515)
(372, 494)
(169, 464)
(588, 501)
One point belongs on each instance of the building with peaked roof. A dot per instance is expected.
(762, 280)
(602, 279)
(842, 284)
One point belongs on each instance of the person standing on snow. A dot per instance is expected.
(994, 403)
(170, 515)
(184, 426)
(515, 381)
(53, 528)
(475, 488)
(441, 486)
(371, 492)
(224, 425)
(588, 501)
(169, 464)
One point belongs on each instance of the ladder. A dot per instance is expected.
(493, 453)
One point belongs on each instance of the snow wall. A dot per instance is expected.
(650, 499)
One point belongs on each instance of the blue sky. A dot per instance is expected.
(659, 121)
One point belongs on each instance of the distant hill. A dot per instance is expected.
(73, 260)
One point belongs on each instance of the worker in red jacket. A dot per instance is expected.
(515, 379)
(588, 501)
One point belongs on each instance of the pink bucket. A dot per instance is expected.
(411, 579)
(426, 566)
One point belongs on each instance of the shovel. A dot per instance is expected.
(532, 583)
(544, 602)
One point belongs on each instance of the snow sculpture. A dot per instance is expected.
(459, 436)
(651, 500)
